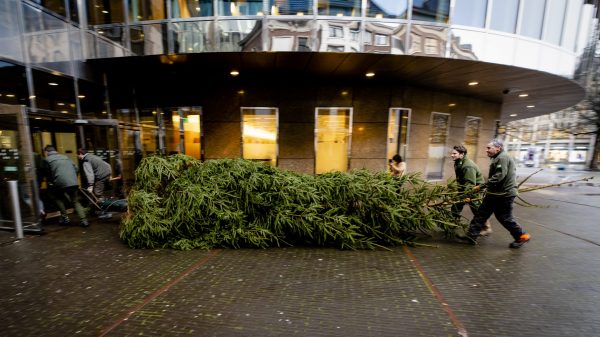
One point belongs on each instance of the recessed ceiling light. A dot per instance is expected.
(513, 115)
(344, 93)
(473, 83)
(52, 83)
(370, 74)
(105, 12)
(241, 92)
(530, 106)
(60, 103)
(32, 97)
(10, 95)
(81, 96)
(234, 73)
(523, 95)
(452, 104)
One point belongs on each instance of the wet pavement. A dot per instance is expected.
(85, 282)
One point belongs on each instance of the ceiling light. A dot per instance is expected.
(260, 13)
(241, 92)
(530, 106)
(104, 112)
(344, 93)
(64, 112)
(60, 103)
(452, 104)
(105, 12)
(473, 83)
(523, 95)
(52, 83)
(32, 97)
(513, 115)
(234, 73)
(10, 95)
(81, 96)
(370, 74)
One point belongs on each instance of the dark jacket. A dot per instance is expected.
(467, 173)
(502, 179)
(95, 168)
(59, 170)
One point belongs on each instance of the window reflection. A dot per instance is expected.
(555, 18)
(396, 9)
(240, 7)
(384, 38)
(332, 132)
(292, 35)
(238, 35)
(105, 11)
(191, 8)
(440, 124)
(339, 36)
(146, 10)
(428, 40)
(504, 15)
(193, 37)
(259, 134)
(339, 7)
(470, 13)
(182, 131)
(472, 127)
(290, 7)
(431, 10)
(397, 132)
(148, 39)
(533, 10)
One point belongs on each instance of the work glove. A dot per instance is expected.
(90, 189)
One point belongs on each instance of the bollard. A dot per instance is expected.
(14, 196)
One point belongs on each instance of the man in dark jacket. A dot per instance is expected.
(468, 176)
(97, 172)
(61, 176)
(501, 192)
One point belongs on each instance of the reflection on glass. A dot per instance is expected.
(383, 37)
(339, 36)
(555, 16)
(140, 10)
(504, 15)
(105, 11)
(290, 7)
(189, 9)
(440, 124)
(339, 7)
(470, 13)
(240, 7)
(290, 35)
(533, 10)
(193, 37)
(147, 39)
(333, 127)
(259, 134)
(237, 35)
(182, 131)
(428, 40)
(395, 9)
(397, 132)
(431, 10)
(472, 135)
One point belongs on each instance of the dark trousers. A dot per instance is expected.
(502, 208)
(100, 186)
(65, 196)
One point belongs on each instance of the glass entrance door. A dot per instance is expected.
(332, 139)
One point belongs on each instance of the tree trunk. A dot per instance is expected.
(595, 151)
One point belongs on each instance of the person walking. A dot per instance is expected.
(468, 176)
(397, 166)
(97, 173)
(61, 175)
(501, 190)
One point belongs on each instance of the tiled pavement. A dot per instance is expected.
(85, 282)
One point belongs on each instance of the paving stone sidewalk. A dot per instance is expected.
(85, 282)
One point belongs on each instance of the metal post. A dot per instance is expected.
(14, 196)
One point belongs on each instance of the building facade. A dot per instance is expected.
(305, 85)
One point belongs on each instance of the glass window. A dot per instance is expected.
(431, 10)
(382, 40)
(335, 31)
(188, 9)
(504, 15)
(259, 134)
(332, 141)
(398, 132)
(554, 21)
(440, 123)
(533, 17)
(396, 9)
(339, 7)
(290, 7)
(182, 131)
(470, 13)
(146, 10)
(105, 11)
(572, 19)
(472, 135)
(237, 7)
(335, 48)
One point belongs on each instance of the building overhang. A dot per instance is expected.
(502, 84)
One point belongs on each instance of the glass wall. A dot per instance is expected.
(182, 131)
(339, 7)
(554, 21)
(259, 134)
(147, 10)
(332, 139)
(240, 7)
(105, 11)
(188, 9)
(397, 140)
(290, 7)
(472, 127)
(533, 18)
(440, 124)
(433, 11)
(470, 13)
(394, 9)
(504, 15)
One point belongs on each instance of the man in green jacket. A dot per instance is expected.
(61, 176)
(500, 195)
(468, 176)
